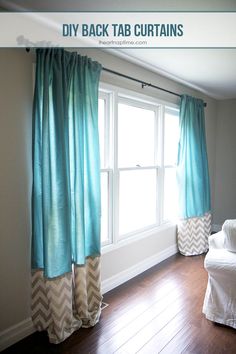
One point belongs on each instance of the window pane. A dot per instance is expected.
(137, 202)
(171, 137)
(101, 128)
(135, 136)
(170, 194)
(104, 206)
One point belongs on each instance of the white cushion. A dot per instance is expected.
(216, 241)
(229, 229)
(221, 262)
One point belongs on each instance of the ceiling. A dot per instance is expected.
(212, 71)
(119, 5)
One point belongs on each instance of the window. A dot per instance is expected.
(138, 149)
(137, 166)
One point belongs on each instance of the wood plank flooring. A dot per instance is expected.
(159, 311)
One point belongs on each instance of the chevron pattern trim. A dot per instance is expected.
(193, 235)
(64, 304)
(39, 302)
(88, 296)
(60, 299)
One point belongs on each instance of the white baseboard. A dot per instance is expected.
(23, 329)
(216, 228)
(15, 333)
(122, 277)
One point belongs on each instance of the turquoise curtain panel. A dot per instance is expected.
(192, 171)
(66, 202)
(194, 224)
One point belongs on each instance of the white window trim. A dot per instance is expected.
(137, 236)
(108, 155)
(113, 94)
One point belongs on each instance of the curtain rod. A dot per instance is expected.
(143, 83)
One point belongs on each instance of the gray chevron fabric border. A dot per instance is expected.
(193, 235)
(88, 298)
(64, 304)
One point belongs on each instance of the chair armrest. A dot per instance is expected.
(216, 241)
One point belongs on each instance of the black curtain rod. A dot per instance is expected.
(143, 83)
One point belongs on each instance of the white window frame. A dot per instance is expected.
(173, 166)
(108, 154)
(112, 95)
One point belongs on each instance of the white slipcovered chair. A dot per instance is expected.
(220, 262)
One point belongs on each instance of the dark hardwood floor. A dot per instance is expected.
(158, 311)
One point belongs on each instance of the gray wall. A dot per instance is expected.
(15, 185)
(225, 180)
(15, 177)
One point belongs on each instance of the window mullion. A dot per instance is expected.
(110, 205)
(139, 168)
(160, 176)
(116, 171)
(156, 136)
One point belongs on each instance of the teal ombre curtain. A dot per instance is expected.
(66, 166)
(66, 194)
(193, 179)
(193, 176)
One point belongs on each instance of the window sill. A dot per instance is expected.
(136, 237)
